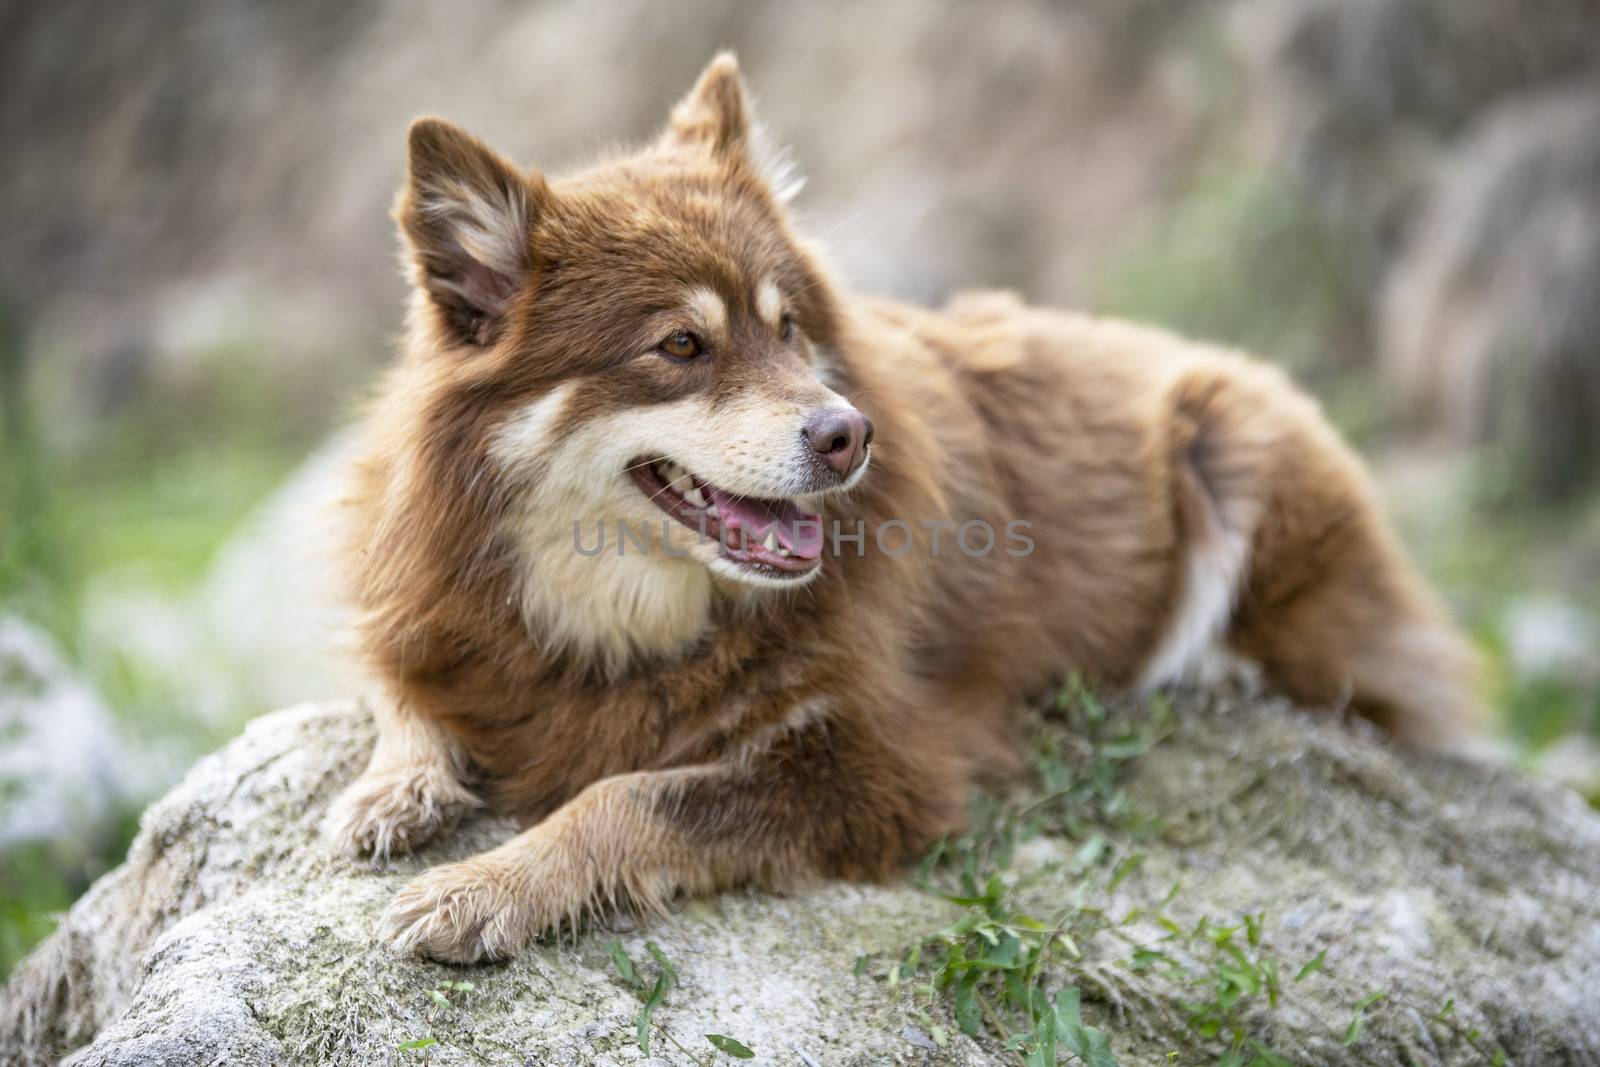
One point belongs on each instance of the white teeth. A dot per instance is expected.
(711, 509)
(770, 542)
(680, 481)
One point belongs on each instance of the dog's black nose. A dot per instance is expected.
(840, 436)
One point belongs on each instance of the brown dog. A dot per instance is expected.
(713, 573)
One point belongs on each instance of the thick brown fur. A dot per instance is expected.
(661, 725)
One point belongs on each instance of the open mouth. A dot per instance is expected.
(769, 537)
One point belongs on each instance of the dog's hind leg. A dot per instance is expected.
(1362, 631)
(1272, 504)
(412, 786)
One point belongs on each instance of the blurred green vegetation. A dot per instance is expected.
(151, 488)
(1243, 260)
(1490, 554)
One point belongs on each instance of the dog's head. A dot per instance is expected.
(644, 346)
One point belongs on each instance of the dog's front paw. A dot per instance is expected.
(396, 809)
(460, 913)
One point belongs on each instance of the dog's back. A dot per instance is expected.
(1182, 499)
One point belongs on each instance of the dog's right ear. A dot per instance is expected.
(467, 215)
(716, 113)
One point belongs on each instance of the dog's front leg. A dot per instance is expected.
(833, 801)
(412, 786)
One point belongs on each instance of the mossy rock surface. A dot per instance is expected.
(233, 936)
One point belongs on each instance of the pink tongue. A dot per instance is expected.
(798, 531)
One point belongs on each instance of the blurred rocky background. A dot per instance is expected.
(1398, 199)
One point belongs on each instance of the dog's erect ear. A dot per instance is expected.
(468, 215)
(718, 115)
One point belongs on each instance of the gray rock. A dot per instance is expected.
(233, 936)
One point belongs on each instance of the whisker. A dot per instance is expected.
(841, 224)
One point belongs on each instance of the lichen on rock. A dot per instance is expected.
(234, 934)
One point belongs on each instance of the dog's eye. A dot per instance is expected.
(682, 346)
(786, 327)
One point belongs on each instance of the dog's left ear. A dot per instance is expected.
(717, 116)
